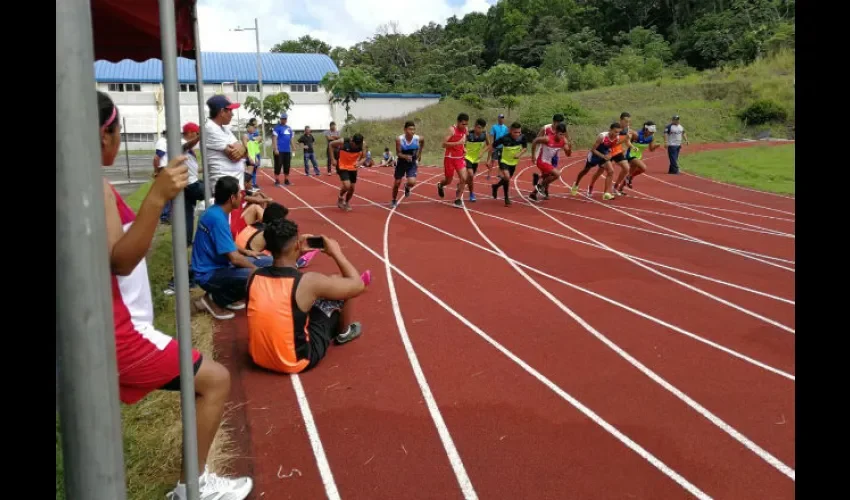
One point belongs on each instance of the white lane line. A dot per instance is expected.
(315, 441)
(708, 415)
(719, 197)
(729, 184)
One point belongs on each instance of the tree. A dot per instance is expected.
(509, 102)
(273, 106)
(345, 87)
(304, 45)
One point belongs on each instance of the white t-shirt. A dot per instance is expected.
(218, 138)
(192, 163)
(161, 144)
(674, 134)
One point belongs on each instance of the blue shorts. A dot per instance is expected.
(404, 169)
(555, 161)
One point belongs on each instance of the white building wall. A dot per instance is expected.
(383, 108)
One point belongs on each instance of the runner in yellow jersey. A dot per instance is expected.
(477, 143)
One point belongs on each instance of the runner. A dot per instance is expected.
(283, 137)
(549, 131)
(550, 146)
(618, 156)
(476, 143)
(408, 148)
(497, 131)
(513, 146)
(600, 157)
(644, 138)
(454, 158)
(351, 155)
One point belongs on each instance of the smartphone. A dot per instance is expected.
(316, 242)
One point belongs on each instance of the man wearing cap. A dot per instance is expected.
(225, 153)
(673, 135)
(283, 137)
(498, 130)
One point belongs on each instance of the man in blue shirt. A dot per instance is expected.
(283, 138)
(497, 131)
(221, 269)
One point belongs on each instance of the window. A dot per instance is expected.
(137, 137)
(125, 87)
(304, 88)
(247, 87)
(188, 87)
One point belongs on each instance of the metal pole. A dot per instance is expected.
(201, 102)
(168, 34)
(260, 84)
(126, 145)
(85, 336)
(238, 113)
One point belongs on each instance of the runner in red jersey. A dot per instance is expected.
(454, 160)
(550, 146)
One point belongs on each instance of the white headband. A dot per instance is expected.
(650, 128)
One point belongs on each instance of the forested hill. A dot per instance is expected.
(525, 46)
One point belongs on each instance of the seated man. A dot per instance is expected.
(251, 238)
(249, 211)
(220, 267)
(292, 317)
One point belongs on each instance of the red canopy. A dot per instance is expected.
(130, 29)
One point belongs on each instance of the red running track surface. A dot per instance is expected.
(606, 380)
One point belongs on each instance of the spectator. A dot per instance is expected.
(251, 237)
(673, 135)
(160, 158)
(387, 160)
(308, 140)
(225, 153)
(220, 267)
(254, 147)
(148, 360)
(333, 154)
(283, 137)
(292, 317)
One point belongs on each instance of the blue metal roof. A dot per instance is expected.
(379, 95)
(221, 67)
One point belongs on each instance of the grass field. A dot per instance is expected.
(152, 428)
(768, 168)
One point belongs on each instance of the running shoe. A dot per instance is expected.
(353, 331)
(495, 190)
(472, 197)
(458, 204)
(440, 190)
(406, 191)
(214, 487)
(393, 204)
(340, 203)
(607, 196)
(574, 190)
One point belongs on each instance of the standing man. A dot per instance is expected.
(673, 135)
(226, 154)
(497, 131)
(307, 140)
(333, 154)
(283, 137)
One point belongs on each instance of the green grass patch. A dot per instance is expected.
(767, 168)
(152, 429)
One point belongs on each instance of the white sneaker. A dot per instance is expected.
(214, 487)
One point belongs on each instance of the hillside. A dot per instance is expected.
(709, 103)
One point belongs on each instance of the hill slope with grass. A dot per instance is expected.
(715, 106)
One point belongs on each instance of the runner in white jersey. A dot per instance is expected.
(550, 146)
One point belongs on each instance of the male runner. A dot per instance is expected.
(550, 145)
(408, 148)
(453, 160)
(642, 139)
(476, 143)
(618, 155)
(513, 146)
(549, 131)
(600, 157)
(351, 153)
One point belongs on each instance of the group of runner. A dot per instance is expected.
(505, 145)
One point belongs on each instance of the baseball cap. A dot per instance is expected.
(191, 127)
(218, 102)
(675, 117)
(282, 116)
(501, 115)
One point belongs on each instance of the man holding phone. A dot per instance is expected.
(292, 317)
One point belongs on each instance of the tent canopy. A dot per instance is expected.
(130, 30)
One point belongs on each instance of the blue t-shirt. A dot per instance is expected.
(213, 242)
(283, 133)
(498, 131)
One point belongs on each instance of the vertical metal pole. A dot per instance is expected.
(168, 34)
(85, 339)
(260, 84)
(201, 109)
(126, 145)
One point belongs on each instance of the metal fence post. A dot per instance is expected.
(168, 32)
(126, 145)
(201, 107)
(85, 341)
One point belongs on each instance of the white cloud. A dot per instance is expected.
(339, 23)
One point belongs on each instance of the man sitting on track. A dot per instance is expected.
(251, 238)
(292, 317)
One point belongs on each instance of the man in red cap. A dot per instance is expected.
(225, 153)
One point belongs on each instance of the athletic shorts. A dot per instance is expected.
(347, 175)
(452, 165)
(618, 158)
(323, 328)
(471, 165)
(510, 168)
(497, 154)
(405, 169)
(546, 168)
(159, 370)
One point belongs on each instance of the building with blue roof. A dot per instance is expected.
(136, 88)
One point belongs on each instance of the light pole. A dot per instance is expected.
(256, 30)
(238, 115)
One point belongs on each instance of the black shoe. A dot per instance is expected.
(458, 204)
(495, 190)
(535, 179)
(440, 190)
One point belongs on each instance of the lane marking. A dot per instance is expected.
(729, 184)
(315, 441)
(719, 197)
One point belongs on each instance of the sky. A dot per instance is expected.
(336, 22)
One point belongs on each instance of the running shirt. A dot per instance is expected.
(456, 151)
(408, 148)
(244, 238)
(253, 149)
(511, 148)
(349, 153)
(604, 148)
(642, 142)
(474, 145)
(550, 150)
(618, 148)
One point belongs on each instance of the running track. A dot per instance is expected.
(642, 348)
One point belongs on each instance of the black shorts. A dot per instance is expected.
(590, 164)
(510, 168)
(324, 326)
(174, 384)
(618, 158)
(347, 175)
(472, 166)
(497, 154)
(282, 160)
(404, 168)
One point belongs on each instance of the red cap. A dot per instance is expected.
(191, 127)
